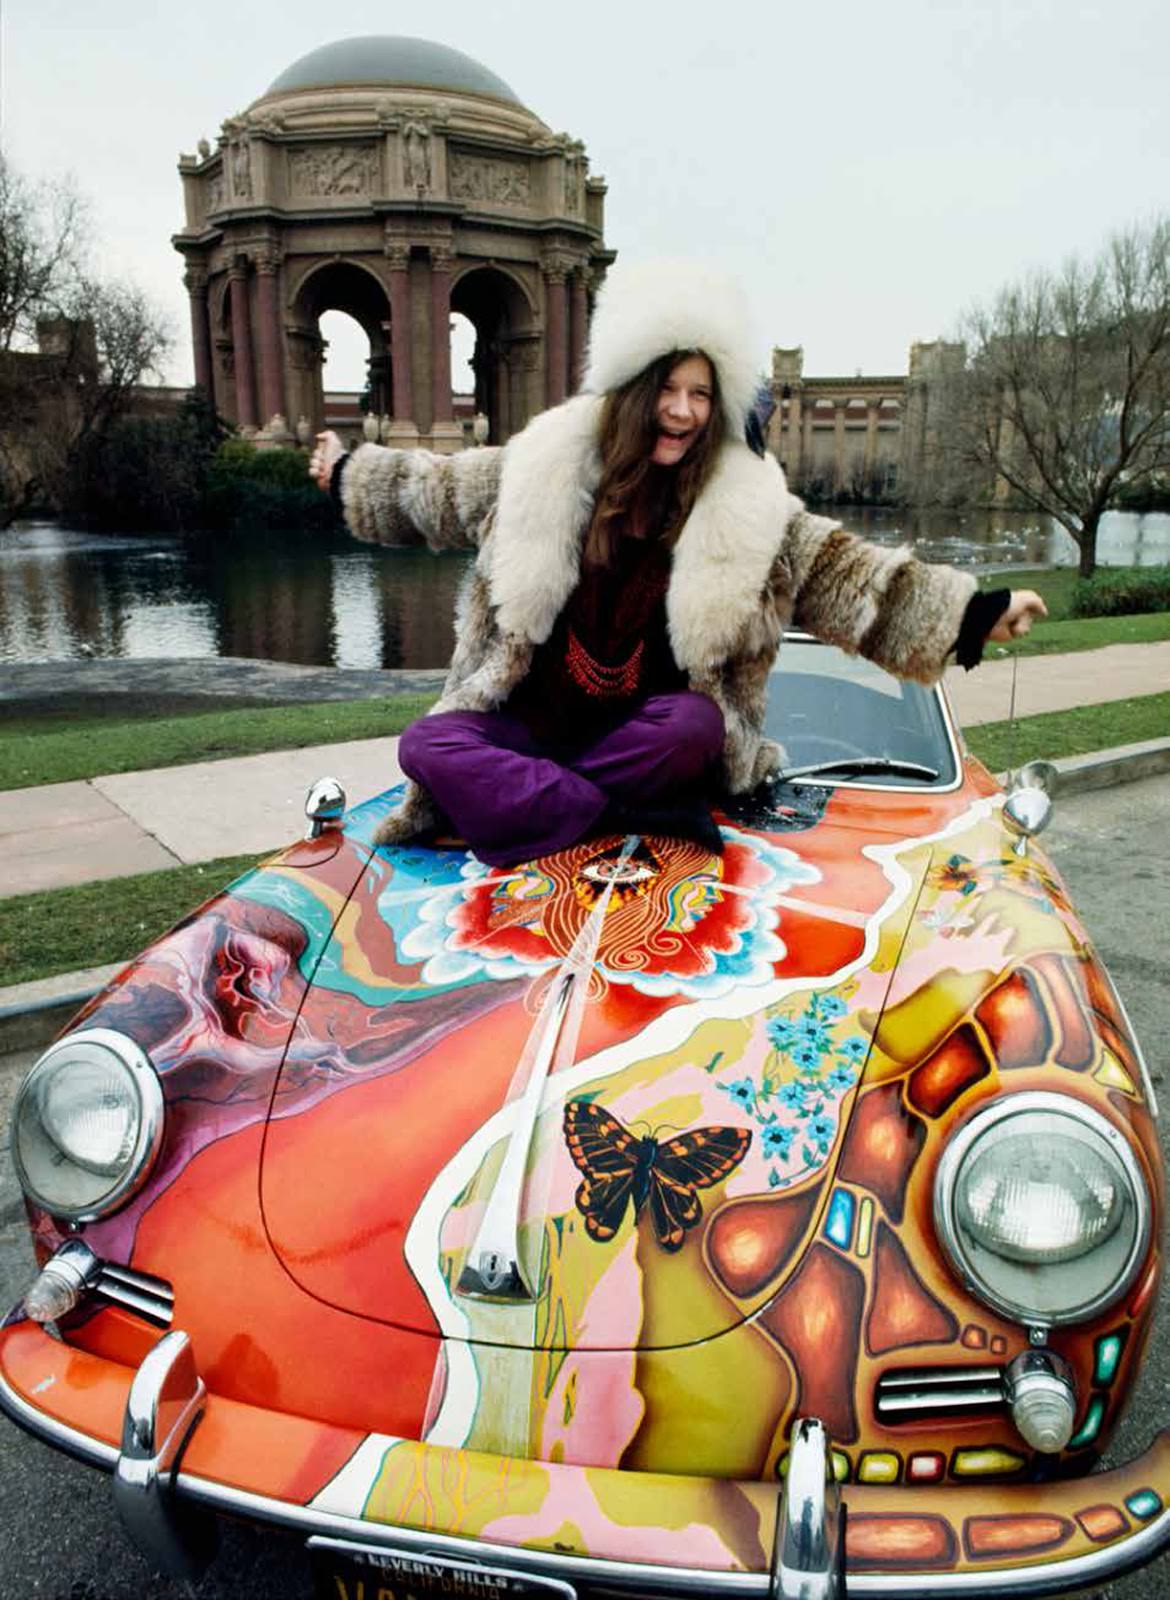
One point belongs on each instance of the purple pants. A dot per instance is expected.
(513, 798)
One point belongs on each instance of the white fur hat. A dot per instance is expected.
(650, 309)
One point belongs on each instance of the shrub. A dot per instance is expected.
(1151, 494)
(146, 473)
(1122, 595)
(250, 488)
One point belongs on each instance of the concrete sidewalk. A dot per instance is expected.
(1059, 682)
(132, 822)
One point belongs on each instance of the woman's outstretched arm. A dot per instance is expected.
(906, 615)
(408, 496)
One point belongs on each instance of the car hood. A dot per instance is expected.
(692, 1033)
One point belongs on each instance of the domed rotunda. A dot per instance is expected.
(399, 181)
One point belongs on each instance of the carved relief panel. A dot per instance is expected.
(489, 180)
(332, 171)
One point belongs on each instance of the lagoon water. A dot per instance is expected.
(66, 594)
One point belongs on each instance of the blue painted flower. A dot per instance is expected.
(743, 1091)
(807, 1057)
(822, 1129)
(830, 1005)
(854, 1049)
(811, 1032)
(781, 1032)
(841, 1077)
(792, 1095)
(777, 1142)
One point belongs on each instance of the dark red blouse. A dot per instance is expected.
(608, 651)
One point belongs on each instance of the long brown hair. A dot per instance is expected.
(659, 499)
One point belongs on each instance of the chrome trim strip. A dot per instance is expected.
(896, 1408)
(152, 1305)
(908, 1392)
(950, 1164)
(1051, 1579)
(146, 1282)
(914, 1377)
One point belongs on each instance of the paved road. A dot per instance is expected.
(60, 1541)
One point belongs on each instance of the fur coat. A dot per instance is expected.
(749, 562)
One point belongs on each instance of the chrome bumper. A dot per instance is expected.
(808, 1555)
(164, 1407)
(166, 1511)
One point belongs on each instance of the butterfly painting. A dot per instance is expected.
(666, 1175)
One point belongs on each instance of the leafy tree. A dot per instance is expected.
(1064, 395)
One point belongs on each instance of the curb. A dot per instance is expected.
(31, 1014)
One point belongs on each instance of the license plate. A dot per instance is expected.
(346, 1571)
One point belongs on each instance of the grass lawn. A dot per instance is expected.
(1059, 631)
(1000, 745)
(48, 749)
(93, 924)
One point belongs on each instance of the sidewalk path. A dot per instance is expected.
(133, 822)
(1058, 683)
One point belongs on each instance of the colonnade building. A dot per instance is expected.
(399, 181)
(861, 438)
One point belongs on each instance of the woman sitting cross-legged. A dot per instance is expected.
(638, 563)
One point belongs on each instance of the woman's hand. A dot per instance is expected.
(1023, 609)
(325, 457)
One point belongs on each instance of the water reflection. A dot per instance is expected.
(67, 594)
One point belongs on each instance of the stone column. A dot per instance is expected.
(578, 327)
(501, 381)
(793, 438)
(556, 350)
(268, 337)
(872, 414)
(400, 355)
(441, 334)
(242, 344)
(195, 279)
(838, 445)
(806, 442)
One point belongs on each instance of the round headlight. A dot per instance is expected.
(87, 1124)
(1042, 1208)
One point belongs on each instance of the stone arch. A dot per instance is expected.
(500, 309)
(354, 288)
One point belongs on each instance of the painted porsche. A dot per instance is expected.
(780, 1223)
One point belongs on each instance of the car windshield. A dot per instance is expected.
(840, 719)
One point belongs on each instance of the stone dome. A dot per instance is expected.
(391, 60)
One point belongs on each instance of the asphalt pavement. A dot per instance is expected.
(60, 1539)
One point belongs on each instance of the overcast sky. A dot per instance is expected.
(865, 170)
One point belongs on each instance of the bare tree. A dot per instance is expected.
(72, 348)
(1064, 397)
(42, 238)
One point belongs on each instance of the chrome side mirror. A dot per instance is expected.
(324, 806)
(1027, 810)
